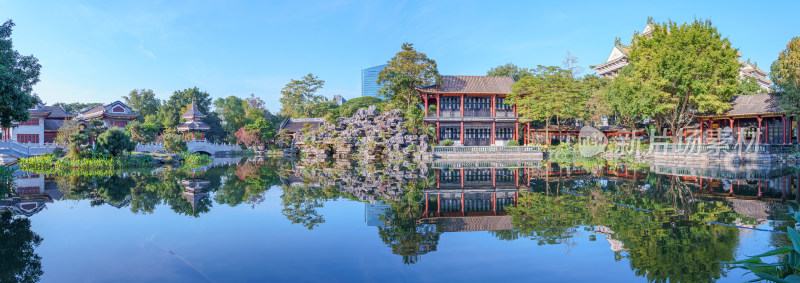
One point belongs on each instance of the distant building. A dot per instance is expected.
(339, 100)
(369, 81)
(42, 127)
(115, 114)
(194, 128)
(619, 58)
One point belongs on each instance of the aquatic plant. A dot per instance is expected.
(787, 269)
(194, 160)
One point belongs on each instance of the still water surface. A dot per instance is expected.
(275, 220)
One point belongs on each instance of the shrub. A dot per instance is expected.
(194, 160)
(513, 143)
(174, 143)
(412, 147)
(115, 142)
(447, 142)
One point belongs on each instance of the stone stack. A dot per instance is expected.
(367, 136)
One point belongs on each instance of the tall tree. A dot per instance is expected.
(232, 111)
(299, 97)
(749, 85)
(509, 70)
(144, 101)
(18, 74)
(594, 91)
(406, 71)
(18, 249)
(689, 68)
(551, 93)
(630, 100)
(785, 75)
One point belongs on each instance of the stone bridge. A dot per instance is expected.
(203, 147)
(11, 150)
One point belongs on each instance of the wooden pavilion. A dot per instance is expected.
(751, 117)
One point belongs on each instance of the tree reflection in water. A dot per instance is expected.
(18, 259)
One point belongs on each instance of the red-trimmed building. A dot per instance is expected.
(470, 110)
(41, 128)
(115, 114)
(750, 115)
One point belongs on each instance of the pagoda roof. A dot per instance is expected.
(193, 112)
(195, 125)
(471, 85)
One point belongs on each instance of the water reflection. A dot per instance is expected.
(662, 220)
(20, 263)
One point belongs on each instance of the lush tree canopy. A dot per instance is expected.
(686, 68)
(509, 70)
(115, 142)
(350, 107)
(299, 98)
(18, 74)
(785, 75)
(550, 93)
(18, 250)
(407, 70)
(143, 101)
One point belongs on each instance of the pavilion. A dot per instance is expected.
(194, 125)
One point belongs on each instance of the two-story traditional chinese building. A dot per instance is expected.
(471, 110)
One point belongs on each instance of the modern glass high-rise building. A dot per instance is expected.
(369, 81)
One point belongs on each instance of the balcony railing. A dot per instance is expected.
(485, 149)
(470, 113)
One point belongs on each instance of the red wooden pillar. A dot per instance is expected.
(426, 205)
(494, 125)
(516, 196)
(438, 105)
(462, 204)
(516, 177)
(426, 105)
(438, 178)
(462, 105)
(438, 204)
(462, 132)
(701, 130)
(438, 134)
(760, 132)
(732, 134)
(516, 129)
(494, 203)
(492, 104)
(494, 185)
(759, 189)
(462, 177)
(783, 117)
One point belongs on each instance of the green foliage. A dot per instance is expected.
(349, 108)
(76, 107)
(407, 70)
(513, 143)
(447, 142)
(682, 69)
(18, 245)
(115, 142)
(174, 143)
(18, 74)
(594, 91)
(142, 132)
(194, 160)
(509, 70)
(412, 147)
(786, 76)
(47, 164)
(550, 93)
(143, 101)
(749, 85)
(6, 180)
(265, 128)
(299, 98)
(787, 269)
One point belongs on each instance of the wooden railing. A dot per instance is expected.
(485, 149)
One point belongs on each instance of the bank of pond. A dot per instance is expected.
(628, 222)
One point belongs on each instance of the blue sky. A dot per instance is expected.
(97, 51)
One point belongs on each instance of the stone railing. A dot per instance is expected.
(485, 149)
(672, 147)
(12, 147)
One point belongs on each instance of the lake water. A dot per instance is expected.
(277, 220)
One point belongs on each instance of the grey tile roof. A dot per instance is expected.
(52, 124)
(751, 104)
(474, 223)
(193, 112)
(293, 125)
(471, 85)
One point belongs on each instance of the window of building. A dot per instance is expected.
(477, 103)
(118, 109)
(499, 104)
(451, 103)
(31, 122)
(50, 137)
(452, 133)
(121, 124)
(28, 138)
(28, 190)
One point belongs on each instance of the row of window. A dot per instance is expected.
(31, 122)
(28, 138)
(454, 133)
(453, 103)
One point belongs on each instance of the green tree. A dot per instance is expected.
(18, 250)
(115, 142)
(406, 71)
(176, 105)
(265, 129)
(630, 100)
(142, 132)
(349, 108)
(551, 93)
(299, 98)
(594, 91)
(749, 85)
(786, 76)
(509, 70)
(689, 68)
(232, 110)
(174, 143)
(18, 74)
(76, 107)
(144, 101)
